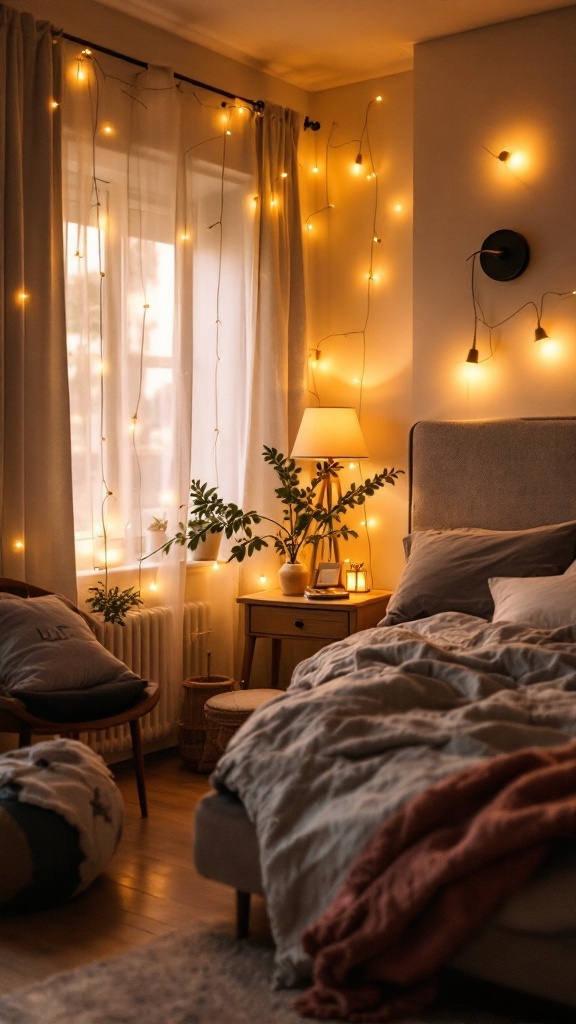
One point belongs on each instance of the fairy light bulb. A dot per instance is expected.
(284, 174)
(215, 566)
(357, 165)
(378, 99)
(19, 545)
(262, 579)
(54, 104)
(315, 169)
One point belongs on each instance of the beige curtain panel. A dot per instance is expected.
(35, 466)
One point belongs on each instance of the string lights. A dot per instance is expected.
(363, 155)
(540, 333)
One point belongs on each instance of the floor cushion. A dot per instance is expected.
(60, 821)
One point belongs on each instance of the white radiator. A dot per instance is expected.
(148, 644)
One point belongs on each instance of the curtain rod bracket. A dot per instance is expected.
(313, 125)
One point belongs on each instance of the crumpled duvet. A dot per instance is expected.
(369, 722)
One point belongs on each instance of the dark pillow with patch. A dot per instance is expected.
(448, 570)
(46, 647)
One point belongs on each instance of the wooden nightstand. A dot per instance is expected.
(273, 616)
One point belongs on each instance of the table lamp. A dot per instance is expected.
(325, 435)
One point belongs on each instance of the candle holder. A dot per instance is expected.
(357, 579)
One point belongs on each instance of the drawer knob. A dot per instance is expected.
(299, 623)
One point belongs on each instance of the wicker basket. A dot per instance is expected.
(225, 713)
(191, 725)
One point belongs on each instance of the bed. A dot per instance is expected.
(462, 674)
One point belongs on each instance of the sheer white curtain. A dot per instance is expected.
(185, 302)
(35, 479)
(159, 189)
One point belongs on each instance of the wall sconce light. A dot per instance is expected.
(504, 255)
(357, 579)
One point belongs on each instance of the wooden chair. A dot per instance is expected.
(14, 717)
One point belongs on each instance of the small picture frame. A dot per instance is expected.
(328, 574)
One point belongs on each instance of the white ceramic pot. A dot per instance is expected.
(293, 578)
(154, 540)
(208, 548)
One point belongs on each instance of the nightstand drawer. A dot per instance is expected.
(319, 624)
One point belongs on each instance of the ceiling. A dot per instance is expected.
(320, 44)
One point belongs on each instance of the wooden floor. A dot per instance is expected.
(150, 886)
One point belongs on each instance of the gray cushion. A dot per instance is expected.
(448, 570)
(47, 647)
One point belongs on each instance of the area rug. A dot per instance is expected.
(197, 977)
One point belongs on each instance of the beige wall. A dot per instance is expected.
(509, 87)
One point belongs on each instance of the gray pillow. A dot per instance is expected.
(448, 570)
(45, 646)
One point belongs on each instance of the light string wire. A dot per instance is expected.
(362, 329)
(479, 316)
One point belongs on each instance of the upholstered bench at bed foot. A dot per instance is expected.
(226, 850)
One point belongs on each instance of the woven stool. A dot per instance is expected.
(191, 725)
(225, 714)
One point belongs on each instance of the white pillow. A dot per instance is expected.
(542, 601)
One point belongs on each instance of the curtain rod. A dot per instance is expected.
(256, 104)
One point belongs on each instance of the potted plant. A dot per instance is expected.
(113, 603)
(304, 520)
(156, 534)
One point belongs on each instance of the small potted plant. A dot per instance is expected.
(304, 520)
(113, 603)
(156, 534)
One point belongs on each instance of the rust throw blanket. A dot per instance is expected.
(430, 877)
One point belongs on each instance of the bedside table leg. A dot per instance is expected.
(276, 652)
(249, 645)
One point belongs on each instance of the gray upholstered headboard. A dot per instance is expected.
(496, 474)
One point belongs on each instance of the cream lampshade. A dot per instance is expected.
(330, 433)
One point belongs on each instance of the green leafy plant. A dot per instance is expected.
(114, 604)
(304, 519)
(158, 525)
